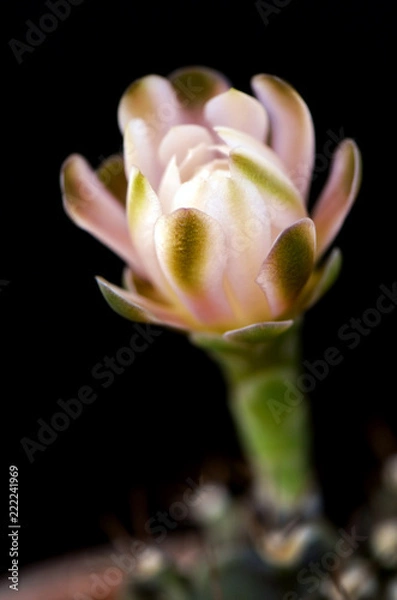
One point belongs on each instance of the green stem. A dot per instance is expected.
(271, 415)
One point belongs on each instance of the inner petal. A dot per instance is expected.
(240, 111)
(169, 185)
(180, 139)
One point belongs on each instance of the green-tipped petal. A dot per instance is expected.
(280, 195)
(134, 307)
(111, 173)
(125, 308)
(258, 333)
(338, 195)
(143, 211)
(191, 251)
(288, 265)
(291, 127)
(321, 280)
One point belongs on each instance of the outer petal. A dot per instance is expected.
(239, 111)
(134, 307)
(194, 86)
(93, 208)
(288, 265)
(111, 173)
(338, 195)
(281, 197)
(291, 127)
(320, 281)
(191, 250)
(153, 99)
(258, 333)
(231, 342)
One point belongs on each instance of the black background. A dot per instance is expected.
(165, 418)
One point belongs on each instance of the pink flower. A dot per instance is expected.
(210, 211)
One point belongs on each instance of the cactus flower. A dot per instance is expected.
(208, 205)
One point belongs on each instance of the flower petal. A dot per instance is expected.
(194, 86)
(281, 197)
(93, 208)
(153, 99)
(291, 127)
(320, 281)
(195, 158)
(141, 150)
(244, 219)
(169, 185)
(258, 333)
(134, 307)
(338, 195)
(143, 287)
(288, 265)
(239, 111)
(143, 211)
(111, 173)
(234, 138)
(191, 251)
(180, 139)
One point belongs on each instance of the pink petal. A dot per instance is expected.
(147, 110)
(338, 195)
(93, 208)
(239, 111)
(291, 128)
(111, 173)
(141, 151)
(153, 99)
(169, 185)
